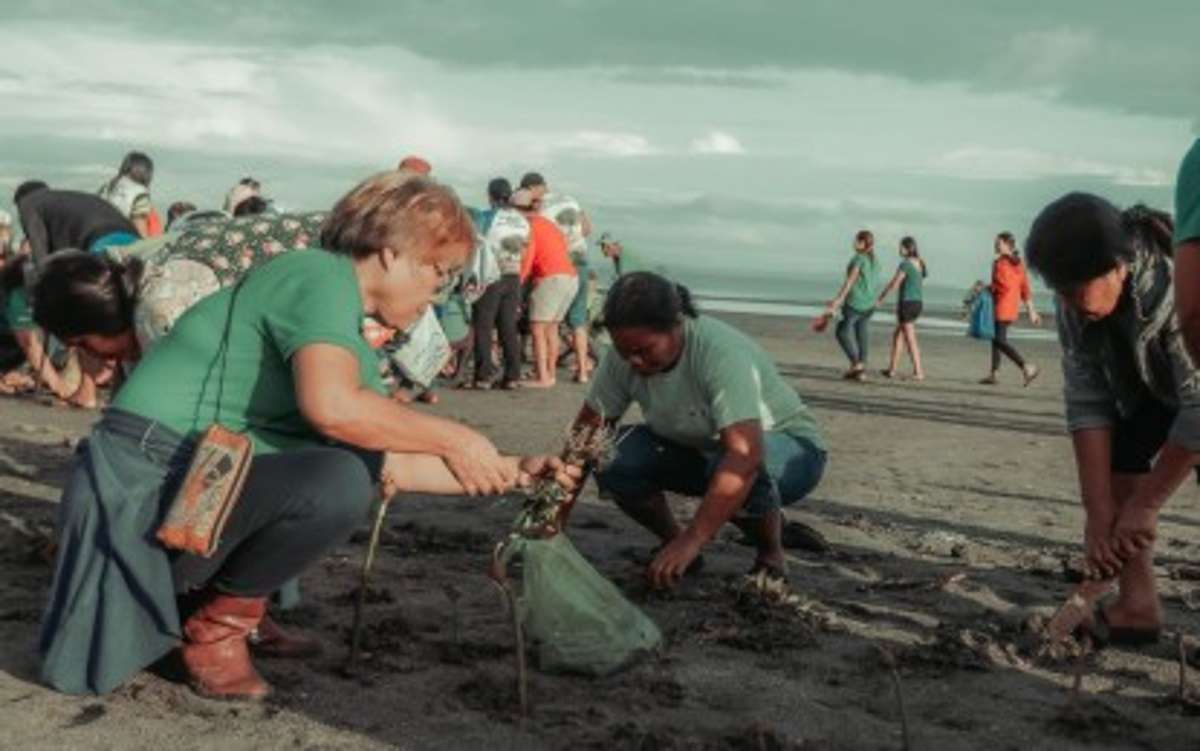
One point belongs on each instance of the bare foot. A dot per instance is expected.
(1031, 372)
(538, 384)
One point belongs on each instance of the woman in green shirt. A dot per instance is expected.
(856, 298)
(720, 424)
(280, 358)
(910, 278)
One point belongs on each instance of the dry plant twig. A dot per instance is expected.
(889, 660)
(364, 578)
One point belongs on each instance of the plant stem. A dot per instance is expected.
(364, 577)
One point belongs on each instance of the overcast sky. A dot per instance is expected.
(748, 137)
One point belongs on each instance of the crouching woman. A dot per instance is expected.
(279, 357)
(1132, 390)
(720, 424)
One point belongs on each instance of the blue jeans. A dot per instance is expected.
(646, 463)
(856, 348)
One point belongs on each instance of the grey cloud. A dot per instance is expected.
(1109, 54)
(698, 77)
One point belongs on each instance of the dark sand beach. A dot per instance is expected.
(950, 507)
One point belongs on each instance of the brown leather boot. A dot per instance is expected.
(271, 640)
(215, 651)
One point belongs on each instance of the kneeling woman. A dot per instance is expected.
(1132, 390)
(281, 358)
(721, 424)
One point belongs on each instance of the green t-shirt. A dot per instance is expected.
(866, 286)
(18, 315)
(911, 289)
(722, 377)
(1187, 197)
(299, 298)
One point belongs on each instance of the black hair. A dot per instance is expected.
(26, 188)
(499, 191)
(643, 299)
(80, 293)
(909, 244)
(251, 205)
(138, 167)
(532, 180)
(1081, 237)
(178, 209)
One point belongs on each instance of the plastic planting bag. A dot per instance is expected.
(577, 621)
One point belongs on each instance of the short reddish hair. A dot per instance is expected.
(396, 210)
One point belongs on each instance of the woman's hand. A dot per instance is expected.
(673, 560)
(1102, 560)
(478, 466)
(531, 468)
(1034, 318)
(1135, 530)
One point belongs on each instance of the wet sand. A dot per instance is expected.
(950, 507)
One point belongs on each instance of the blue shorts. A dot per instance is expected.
(646, 463)
(577, 314)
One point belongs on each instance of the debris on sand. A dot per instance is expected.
(34, 544)
(756, 594)
(631, 734)
(1094, 721)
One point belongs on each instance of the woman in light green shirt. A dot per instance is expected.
(856, 299)
(720, 424)
(910, 278)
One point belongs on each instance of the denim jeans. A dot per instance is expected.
(856, 347)
(646, 463)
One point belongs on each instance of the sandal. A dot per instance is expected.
(1103, 634)
(799, 536)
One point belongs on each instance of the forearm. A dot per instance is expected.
(844, 290)
(1093, 462)
(1172, 467)
(374, 422)
(142, 225)
(727, 492)
(30, 342)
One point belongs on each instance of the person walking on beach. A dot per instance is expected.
(910, 278)
(548, 267)
(1132, 390)
(856, 299)
(129, 192)
(1010, 289)
(721, 425)
(1187, 248)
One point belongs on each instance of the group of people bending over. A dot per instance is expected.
(280, 356)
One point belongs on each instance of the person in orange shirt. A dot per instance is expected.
(548, 266)
(1010, 289)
